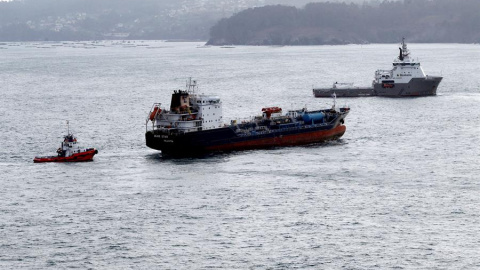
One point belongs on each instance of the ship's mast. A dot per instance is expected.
(405, 51)
(191, 86)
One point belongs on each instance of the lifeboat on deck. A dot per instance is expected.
(154, 112)
(269, 110)
(272, 109)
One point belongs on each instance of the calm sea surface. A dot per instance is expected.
(400, 190)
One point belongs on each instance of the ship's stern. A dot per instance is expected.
(162, 141)
(170, 144)
(151, 141)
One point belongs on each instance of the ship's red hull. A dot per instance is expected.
(77, 157)
(283, 140)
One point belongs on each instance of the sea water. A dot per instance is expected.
(400, 190)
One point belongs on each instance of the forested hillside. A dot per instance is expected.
(104, 19)
(30, 20)
(339, 23)
(24, 20)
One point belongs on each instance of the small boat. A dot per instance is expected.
(69, 151)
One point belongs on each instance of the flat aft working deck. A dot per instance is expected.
(344, 92)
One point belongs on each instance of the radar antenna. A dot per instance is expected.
(191, 85)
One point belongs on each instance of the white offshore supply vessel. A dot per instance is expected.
(405, 79)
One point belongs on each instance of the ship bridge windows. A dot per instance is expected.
(209, 101)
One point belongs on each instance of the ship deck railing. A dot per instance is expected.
(165, 112)
(383, 71)
(245, 133)
(173, 129)
(182, 121)
(183, 113)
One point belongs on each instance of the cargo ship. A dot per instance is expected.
(405, 79)
(194, 125)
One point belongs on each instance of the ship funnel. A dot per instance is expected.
(180, 99)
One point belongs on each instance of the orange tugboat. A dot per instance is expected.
(69, 151)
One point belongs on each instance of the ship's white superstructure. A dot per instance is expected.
(189, 111)
(404, 68)
(209, 110)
